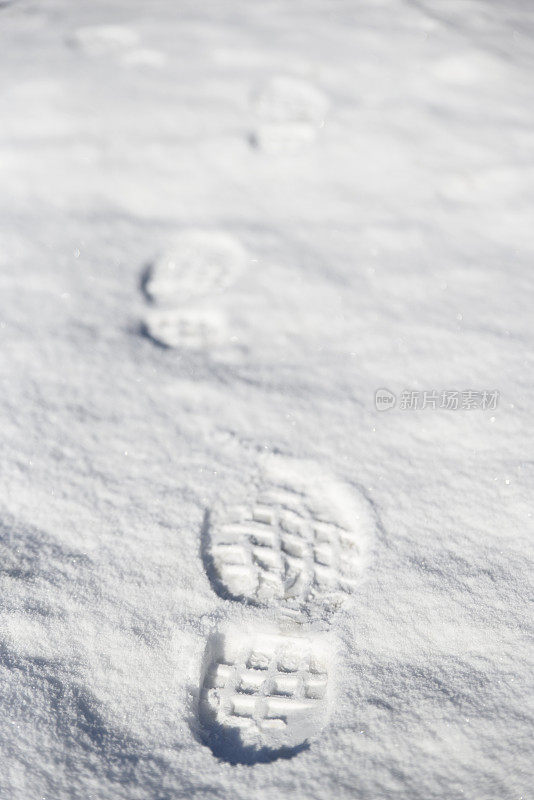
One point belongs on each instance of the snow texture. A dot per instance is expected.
(225, 225)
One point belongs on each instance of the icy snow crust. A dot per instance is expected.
(371, 163)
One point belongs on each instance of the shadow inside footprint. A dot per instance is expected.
(210, 568)
(144, 280)
(226, 745)
(144, 330)
(207, 557)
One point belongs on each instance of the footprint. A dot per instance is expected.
(289, 112)
(197, 266)
(191, 329)
(144, 57)
(197, 263)
(296, 544)
(469, 68)
(100, 40)
(263, 693)
(298, 541)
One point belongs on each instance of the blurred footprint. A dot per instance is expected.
(196, 264)
(469, 68)
(103, 40)
(191, 329)
(180, 286)
(289, 113)
(144, 57)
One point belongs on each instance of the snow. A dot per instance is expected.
(371, 162)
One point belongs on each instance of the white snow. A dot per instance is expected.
(374, 162)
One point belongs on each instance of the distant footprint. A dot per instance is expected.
(289, 113)
(263, 694)
(186, 328)
(197, 263)
(298, 541)
(99, 40)
(469, 68)
(144, 57)
(181, 286)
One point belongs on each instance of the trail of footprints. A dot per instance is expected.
(184, 283)
(297, 542)
(298, 546)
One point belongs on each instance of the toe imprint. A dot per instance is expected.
(300, 542)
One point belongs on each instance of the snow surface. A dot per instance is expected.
(374, 159)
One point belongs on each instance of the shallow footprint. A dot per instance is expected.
(263, 693)
(298, 541)
(290, 112)
(99, 40)
(197, 263)
(190, 329)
